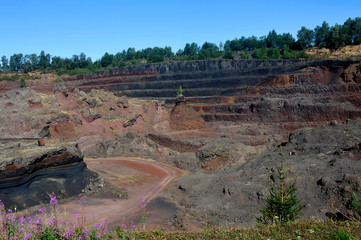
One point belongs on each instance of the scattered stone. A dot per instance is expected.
(132, 121)
(123, 102)
(91, 102)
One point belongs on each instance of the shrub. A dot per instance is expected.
(282, 205)
(339, 235)
(180, 90)
(22, 82)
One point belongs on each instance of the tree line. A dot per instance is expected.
(271, 46)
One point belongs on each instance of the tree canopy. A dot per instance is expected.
(271, 46)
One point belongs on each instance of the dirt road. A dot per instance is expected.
(142, 179)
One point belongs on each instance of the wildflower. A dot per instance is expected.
(30, 220)
(53, 200)
(124, 225)
(51, 222)
(22, 220)
(9, 211)
(21, 229)
(76, 213)
(143, 201)
(11, 218)
(27, 236)
(41, 210)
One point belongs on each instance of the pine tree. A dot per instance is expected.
(22, 82)
(282, 205)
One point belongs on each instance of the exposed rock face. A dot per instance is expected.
(30, 177)
(204, 78)
(223, 152)
(325, 162)
(287, 93)
(183, 117)
(129, 145)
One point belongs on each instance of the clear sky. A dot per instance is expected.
(67, 27)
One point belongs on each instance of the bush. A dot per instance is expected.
(339, 235)
(282, 204)
(22, 82)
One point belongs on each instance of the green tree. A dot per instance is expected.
(260, 53)
(16, 62)
(273, 53)
(180, 90)
(252, 43)
(191, 49)
(228, 54)
(106, 60)
(209, 50)
(282, 205)
(321, 35)
(22, 82)
(244, 55)
(272, 39)
(4, 63)
(44, 60)
(335, 39)
(305, 37)
(235, 45)
(356, 31)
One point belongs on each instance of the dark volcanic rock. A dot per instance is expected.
(36, 172)
(206, 78)
(324, 161)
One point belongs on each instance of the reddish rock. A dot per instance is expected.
(62, 130)
(183, 117)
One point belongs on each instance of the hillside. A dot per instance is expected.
(223, 133)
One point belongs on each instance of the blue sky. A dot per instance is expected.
(67, 27)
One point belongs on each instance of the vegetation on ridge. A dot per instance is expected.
(271, 46)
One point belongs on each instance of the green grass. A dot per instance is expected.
(16, 77)
(302, 230)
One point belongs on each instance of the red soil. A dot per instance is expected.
(143, 180)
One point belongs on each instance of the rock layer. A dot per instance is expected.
(29, 178)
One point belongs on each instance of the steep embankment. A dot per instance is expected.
(198, 78)
(29, 173)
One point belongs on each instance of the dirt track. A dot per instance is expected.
(142, 179)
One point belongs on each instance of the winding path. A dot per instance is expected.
(152, 178)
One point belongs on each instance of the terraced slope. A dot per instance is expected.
(300, 92)
(198, 78)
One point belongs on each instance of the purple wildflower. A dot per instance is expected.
(22, 219)
(143, 201)
(27, 236)
(51, 222)
(53, 200)
(41, 210)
